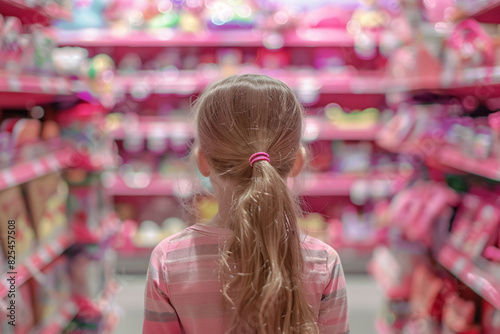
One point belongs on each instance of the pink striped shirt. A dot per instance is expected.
(183, 292)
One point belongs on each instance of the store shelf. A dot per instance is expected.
(317, 128)
(58, 322)
(31, 169)
(453, 157)
(187, 82)
(154, 127)
(476, 274)
(28, 14)
(227, 38)
(313, 185)
(158, 186)
(318, 37)
(37, 261)
(331, 184)
(21, 91)
(484, 11)
(95, 162)
(482, 82)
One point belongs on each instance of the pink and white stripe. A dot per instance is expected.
(183, 292)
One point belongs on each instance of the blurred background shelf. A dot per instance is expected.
(58, 322)
(475, 273)
(29, 14)
(22, 91)
(171, 38)
(44, 255)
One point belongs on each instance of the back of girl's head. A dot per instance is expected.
(262, 263)
(242, 115)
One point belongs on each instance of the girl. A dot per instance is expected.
(249, 270)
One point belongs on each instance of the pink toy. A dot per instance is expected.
(473, 45)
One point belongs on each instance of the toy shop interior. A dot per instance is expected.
(402, 101)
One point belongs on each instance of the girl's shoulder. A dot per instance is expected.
(318, 249)
(196, 235)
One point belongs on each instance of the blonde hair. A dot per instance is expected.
(262, 263)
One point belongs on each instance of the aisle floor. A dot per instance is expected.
(364, 302)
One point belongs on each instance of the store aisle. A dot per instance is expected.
(364, 300)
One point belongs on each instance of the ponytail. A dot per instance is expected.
(262, 263)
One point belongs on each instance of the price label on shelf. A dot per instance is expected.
(57, 247)
(14, 84)
(37, 167)
(478, 282)
(459, 265)
(44, 255)
(8, 177)
(53, 163)
(472, 75)
(495, 76)
(45, 84)
(61, 85)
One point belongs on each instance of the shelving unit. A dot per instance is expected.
(44, 255)
(157, 186)
(315, 129)
(33, 166)
(453, 157)
(58, 322)
(486, 11)
(330, 184)
(30, 169)
(299, 56)
(169, 37)
(28, 13)
(18, 90)
(187, 82)
(477, 274)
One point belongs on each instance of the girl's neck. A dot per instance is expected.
(223, 191)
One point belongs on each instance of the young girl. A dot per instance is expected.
(250, 269)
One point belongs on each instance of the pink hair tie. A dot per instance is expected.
(258, 157)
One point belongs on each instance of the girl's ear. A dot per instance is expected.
(299, 163)
(202, 162)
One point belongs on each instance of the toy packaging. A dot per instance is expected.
(51, 290)
(46, 198)
(12, 207)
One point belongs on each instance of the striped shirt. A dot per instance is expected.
(183, 295)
